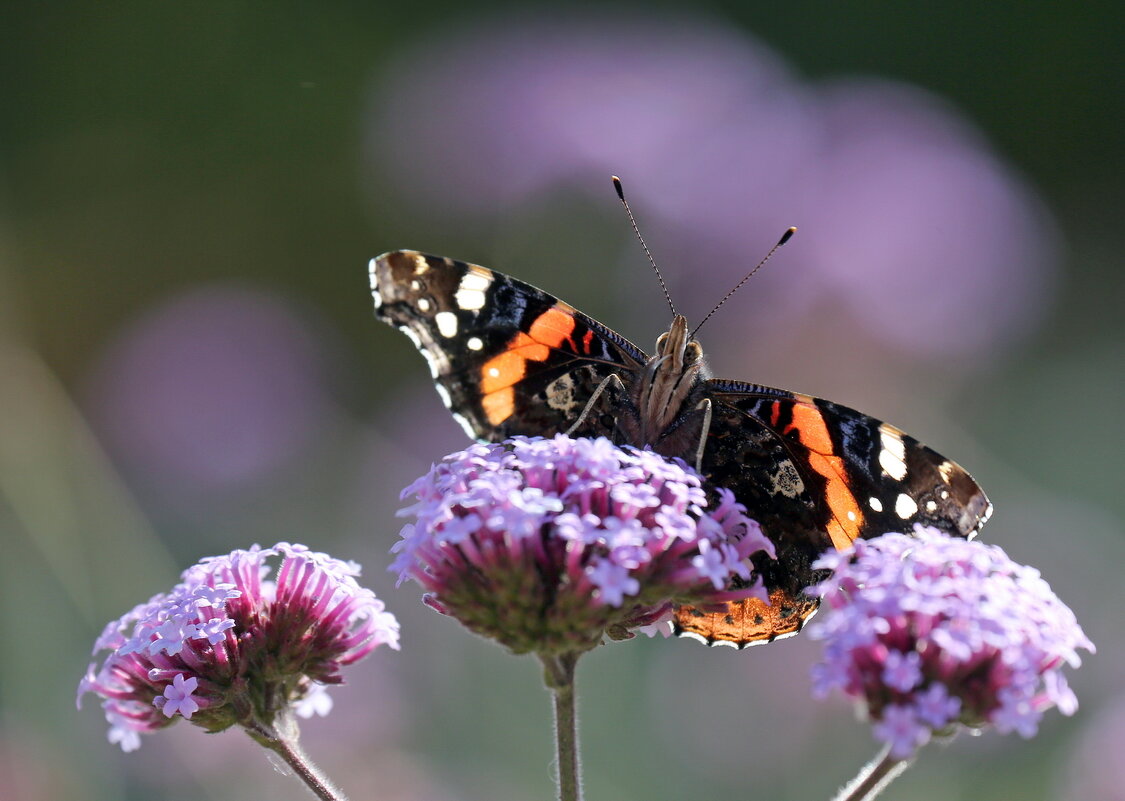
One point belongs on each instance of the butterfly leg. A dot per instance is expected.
(611, 379)
(705, 405)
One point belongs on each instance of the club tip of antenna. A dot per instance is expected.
(618, 187)
(787, 235)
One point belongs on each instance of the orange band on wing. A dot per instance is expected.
(847, 517)
(503, 371)
(529, 348)
(811, 430)
(553, 327)
(499, 405)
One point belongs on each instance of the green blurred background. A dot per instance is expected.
(190, 193)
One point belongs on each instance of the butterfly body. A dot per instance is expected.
(509, 359)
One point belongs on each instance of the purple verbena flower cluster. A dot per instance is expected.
(231, 645)
(928, 632)
(546, 545)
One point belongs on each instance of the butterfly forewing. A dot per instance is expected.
(865, 477)
(507, 358)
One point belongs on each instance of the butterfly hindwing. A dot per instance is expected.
(747, 622)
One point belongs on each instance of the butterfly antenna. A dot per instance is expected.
(637, 231)
(784, 238)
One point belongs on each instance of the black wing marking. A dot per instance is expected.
(507, 358)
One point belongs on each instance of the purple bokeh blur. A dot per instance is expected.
(211, 392)
(911, 225)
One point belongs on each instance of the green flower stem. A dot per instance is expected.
(559, 676)
(282, 738)
(874, 777)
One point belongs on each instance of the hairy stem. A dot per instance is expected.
(559, 676)
(874, 777)
(282, 738)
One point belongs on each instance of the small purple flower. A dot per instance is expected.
(232, 645)
(569, 540)
(213, 630)
(214, 596)
(900, 728)
(170, 636)
(933, 632)
(710, 564)
(177, 697)
(902, 671)
(936, 707)
(613, 582)
(317, 701)
(122, 734)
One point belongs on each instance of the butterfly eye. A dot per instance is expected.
(693, 352)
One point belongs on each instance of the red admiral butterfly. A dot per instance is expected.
(509, 359)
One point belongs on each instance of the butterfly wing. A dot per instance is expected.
(818, 475)
(505, 357)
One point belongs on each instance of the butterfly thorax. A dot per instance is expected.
(663, 393)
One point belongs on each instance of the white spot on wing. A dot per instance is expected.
(493, 372)
(892, 457)
(905, 507)
(476, 280)
(443, 393)
(446, 324)
(931, 506)
(474, 343)
(423, 304)
(470, 294)
(875, 504)
(421, 266)
(469, 299)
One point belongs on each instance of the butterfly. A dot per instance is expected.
(510, 359)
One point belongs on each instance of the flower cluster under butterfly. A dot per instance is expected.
(508, 359)
(549, 545)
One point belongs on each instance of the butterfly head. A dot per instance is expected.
(669, 378)
(676, 350)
